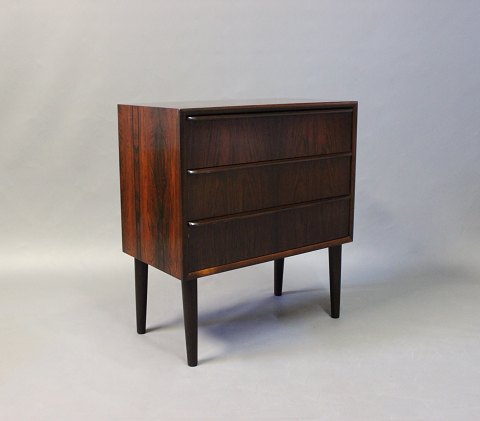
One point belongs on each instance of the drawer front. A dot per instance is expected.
(221, 241)
(225, 139)
(228, 190)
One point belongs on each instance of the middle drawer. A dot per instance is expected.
(227, 190)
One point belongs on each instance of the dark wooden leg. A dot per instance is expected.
(141, 286)
(335, 263)
(278, 276)
(190, 317)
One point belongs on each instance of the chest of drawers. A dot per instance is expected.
(207, 188)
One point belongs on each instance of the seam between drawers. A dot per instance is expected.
(232, 167)
(248, 214)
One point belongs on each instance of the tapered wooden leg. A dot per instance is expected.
(335, 263)
(190, 317)
(278, 276)
(141, 286)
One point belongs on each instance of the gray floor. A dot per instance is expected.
(407, 345)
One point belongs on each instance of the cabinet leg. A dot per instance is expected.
(190, 317)
(335, 264)
(278, 276)
(141, 286)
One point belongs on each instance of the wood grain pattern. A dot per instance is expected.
(151, 193)
(249, 137)
(234, 189)
(268, 257)
(210, 188)
(224, 240)
(242, 159)
(127, 180)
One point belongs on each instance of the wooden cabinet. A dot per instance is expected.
(207, 188)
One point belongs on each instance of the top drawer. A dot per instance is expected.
(225, 139)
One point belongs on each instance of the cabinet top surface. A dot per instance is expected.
(246, 103)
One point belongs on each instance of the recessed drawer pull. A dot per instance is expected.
(275, 209)
(264, 114)
(226, 168)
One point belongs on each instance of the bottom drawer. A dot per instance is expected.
(220, 241)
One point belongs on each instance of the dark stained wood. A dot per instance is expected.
(155, 184)
(141, 287)
(210, 187)
(267, 258)
(250, 137)
(190, 316)
(150, 186)
(240, 188)
(278, 276)
(127, 180)
(335, 268)
(220, 241)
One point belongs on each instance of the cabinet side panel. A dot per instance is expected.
(159, 210)
(127, 178)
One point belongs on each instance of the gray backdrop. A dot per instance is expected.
(413, 66)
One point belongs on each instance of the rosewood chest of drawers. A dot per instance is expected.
(207, 188)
